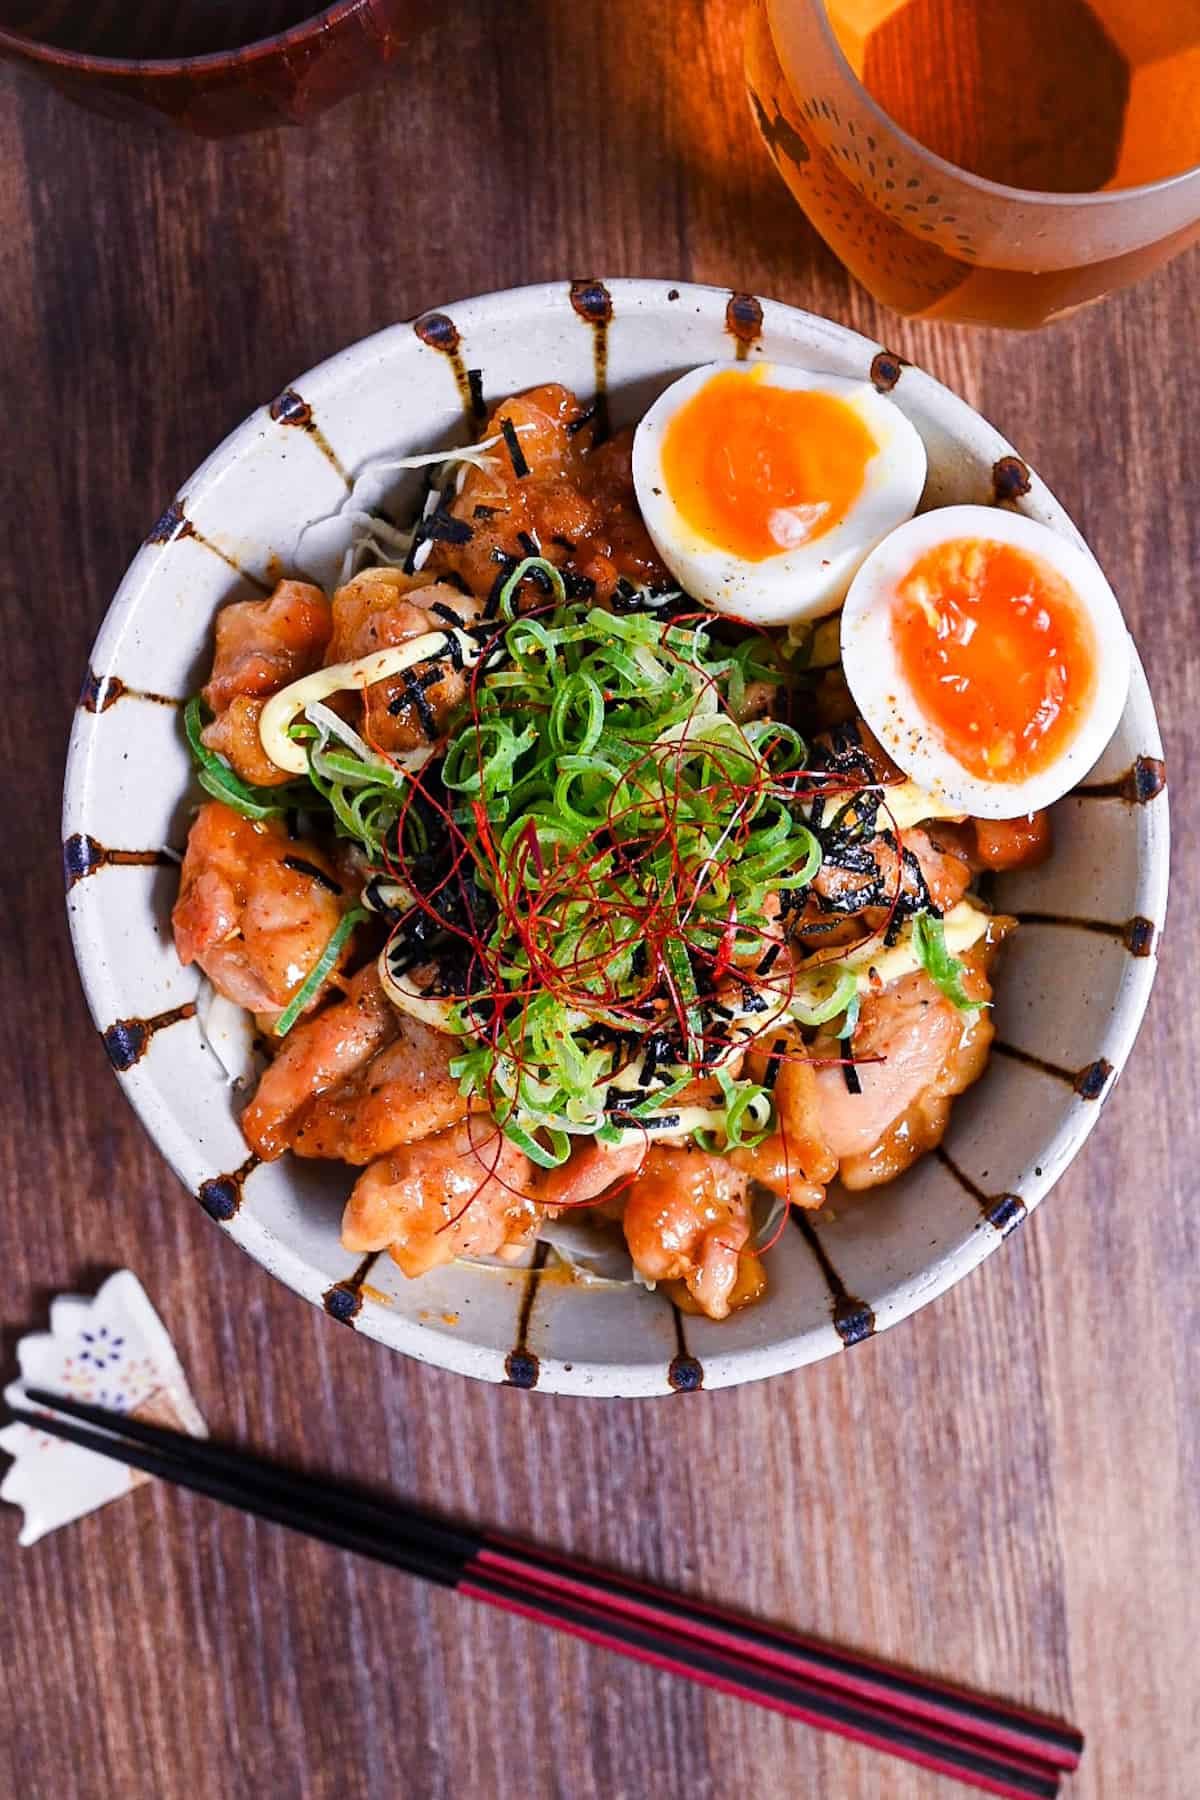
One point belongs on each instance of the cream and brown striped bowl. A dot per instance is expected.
(1074, 982)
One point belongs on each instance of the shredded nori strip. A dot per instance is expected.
(434, 509)
(444, 528)
(515, 452)
(578, 587)
(664, 1121)
(912, 898)
(454, 651)
(600, 1033)
(374, 898)
(402, 957)
(564, 543)
(475, 389)
(448, 614)
(625, 597)
(418, 539)
(529, 543)
(910, 901)
(669, 604)
(485, 512)
(491, 605)
(540, 578)
(585, 418)
(303, 867)
(436, 936)
(842, 755)
(415, 690)
(851, 854)
(853, 900)
(771, 1072)
(864, 805)
(815, 928)
(657, 1049)
(853, 1084)
(662, 603)
(414, 687)
(769, 960)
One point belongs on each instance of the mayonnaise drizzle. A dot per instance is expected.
(876, 965)
(908, 804)
(901, 806)
(284, 708)
(430, 1009)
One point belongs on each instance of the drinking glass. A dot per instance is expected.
(935, 240)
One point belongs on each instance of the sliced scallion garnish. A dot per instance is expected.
(321, 968)
(631, 836)
(606, 845)
(218, 779)
(945, 970)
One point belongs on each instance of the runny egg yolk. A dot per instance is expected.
(761, 470)
(998, 652)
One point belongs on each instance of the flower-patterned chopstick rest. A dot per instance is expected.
(112, 1350)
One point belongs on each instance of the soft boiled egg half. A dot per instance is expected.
(764, 487)
(989, 657)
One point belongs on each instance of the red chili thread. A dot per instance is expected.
(654, 911)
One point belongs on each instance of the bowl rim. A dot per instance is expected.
(243, 56)
(903, 1295)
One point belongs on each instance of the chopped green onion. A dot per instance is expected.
(312, 982)
(945, 970)
(842, 996)
(579, 693)
(217, 778)
(548, 572)
(590, 732)
(749, 1114)
(535, 1150)
(629, 833)
(850, 1026)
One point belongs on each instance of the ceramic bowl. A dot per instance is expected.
(1074, 981)
(282, 78)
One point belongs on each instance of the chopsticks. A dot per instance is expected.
(1000, 1749)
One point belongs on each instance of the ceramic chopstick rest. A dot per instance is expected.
(114, 1351)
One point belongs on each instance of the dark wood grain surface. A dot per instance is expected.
(1007, 1487)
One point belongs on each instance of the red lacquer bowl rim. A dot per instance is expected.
(258, 50)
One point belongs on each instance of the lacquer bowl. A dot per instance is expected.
(1073, 984)
(272, 78)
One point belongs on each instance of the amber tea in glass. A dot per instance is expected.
(994, 161)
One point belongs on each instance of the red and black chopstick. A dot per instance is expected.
(919, 1697)
(998, 1748)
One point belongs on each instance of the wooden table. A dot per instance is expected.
(1007, 1488)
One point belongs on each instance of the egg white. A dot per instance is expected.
(892, 710)
(811, 578)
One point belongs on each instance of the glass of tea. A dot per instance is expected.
(997, 162)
